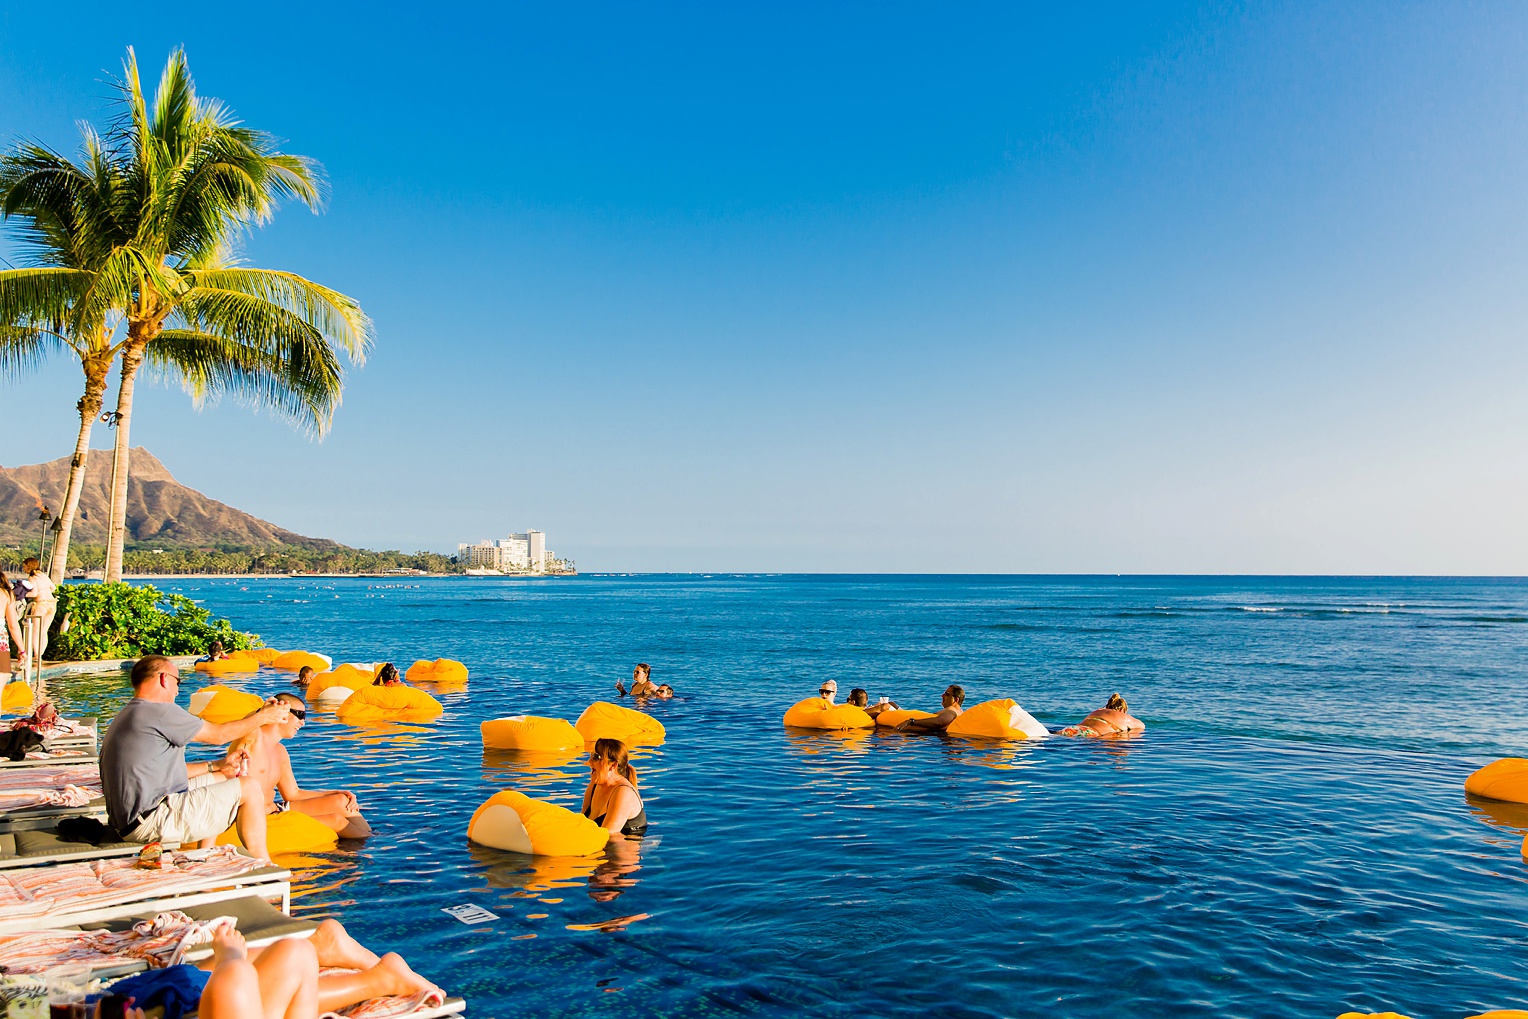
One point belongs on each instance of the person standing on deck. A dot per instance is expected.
(152, 794)
(41, 604)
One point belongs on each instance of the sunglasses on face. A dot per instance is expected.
(298, 713)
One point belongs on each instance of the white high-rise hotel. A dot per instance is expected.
(514, 554)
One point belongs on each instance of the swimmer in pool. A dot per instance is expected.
(952, 700)
(611, 798)
(304, 676)
(388, 676)
(1113, 719)
(828, 690)
(664, 692)
(641, 682)
(860, 699)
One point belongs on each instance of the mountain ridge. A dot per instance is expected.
(160, 510)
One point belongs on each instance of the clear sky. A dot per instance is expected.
(1193, 288)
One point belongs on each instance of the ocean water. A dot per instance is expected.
(1289, 838)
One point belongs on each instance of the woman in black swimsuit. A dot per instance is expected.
(612, 799)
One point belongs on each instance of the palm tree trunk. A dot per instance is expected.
(89, 406)
(132, 358)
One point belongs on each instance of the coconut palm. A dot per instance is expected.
(186, 181)
(68, 228)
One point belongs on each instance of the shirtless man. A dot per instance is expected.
(271, 766)
(952, 700)
(1113, 719)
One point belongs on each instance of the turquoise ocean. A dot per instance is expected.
(1289, 838)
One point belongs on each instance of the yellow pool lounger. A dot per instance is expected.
(530, 732)
(513, 821)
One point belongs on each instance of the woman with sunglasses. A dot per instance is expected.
(611, 799)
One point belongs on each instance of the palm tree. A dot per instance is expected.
(186, 181)
(66, 211)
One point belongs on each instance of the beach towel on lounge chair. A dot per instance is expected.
(394, 1007)
(64, 785)
(76, 887)
(161, 941)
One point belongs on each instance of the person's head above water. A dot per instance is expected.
(1117, 703)
(387, 676)
(216, 648)
(858, 697)
(304, 675)
(665, 691)
(609, 757)
(953, 696)
(828, 689)
(641, 671)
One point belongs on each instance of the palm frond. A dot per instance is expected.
(22, 349)
(334, 315)
(299, 379)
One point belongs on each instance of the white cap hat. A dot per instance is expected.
(829, 685)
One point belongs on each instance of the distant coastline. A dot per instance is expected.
(329, 576)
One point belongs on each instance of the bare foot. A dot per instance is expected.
(337, 949)
(405, 980)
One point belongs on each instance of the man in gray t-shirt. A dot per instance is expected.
(152, 794)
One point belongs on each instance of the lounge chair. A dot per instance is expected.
(44, 846)
(67, 894)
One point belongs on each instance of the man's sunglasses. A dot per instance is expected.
(298, 713)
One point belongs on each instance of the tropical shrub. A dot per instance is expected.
(127, 620)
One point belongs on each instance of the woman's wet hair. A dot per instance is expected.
(387, 674)
(858, 697)
(1117, 703)
(956, 694)
(645, 669)
(614, 752)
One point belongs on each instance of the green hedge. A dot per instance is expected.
(127, 620)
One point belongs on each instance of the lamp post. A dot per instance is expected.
(57, 525)
(42, 539)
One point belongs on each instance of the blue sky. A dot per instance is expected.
(1193, 288)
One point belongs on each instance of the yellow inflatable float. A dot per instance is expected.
(291, 831)
(519, 824)
(1001, 719)
(220, 704)
(295, 660)
(347, 676)
(441, 670)
(531, 732)
(228, 666)
(16, 697)
(817, 713)
(263, 655)
(1506, 779)
(603, 720)
(388, 704)
(893, 719)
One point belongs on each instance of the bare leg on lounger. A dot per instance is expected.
(281, 984)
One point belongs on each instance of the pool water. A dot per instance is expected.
(1289, 838)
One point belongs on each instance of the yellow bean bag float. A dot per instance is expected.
(1506, 779)
(228, 666)
(603, 720)
(895, 718)
(263, 655)
(816, 713)
(530, 732)
(1002, 719)
(344, 676)
(16, 697)
(441, 670)
(388, 704)
(295, 660)
(291, 831)
(519, 824)
(1377, 1015)
(218, 704)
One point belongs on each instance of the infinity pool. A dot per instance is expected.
(1289, 838)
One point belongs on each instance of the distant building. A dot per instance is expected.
(518, 553)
